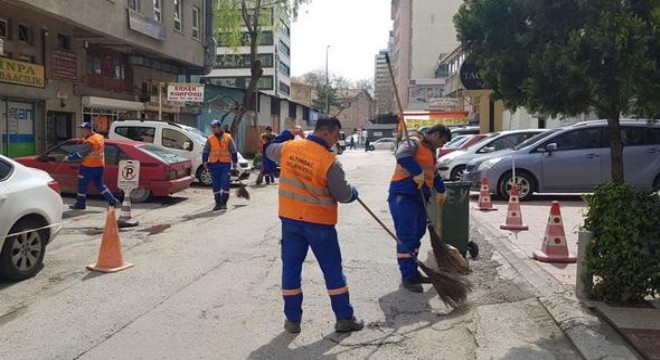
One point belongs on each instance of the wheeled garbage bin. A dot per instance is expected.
(452, 219)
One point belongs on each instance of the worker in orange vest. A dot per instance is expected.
(92, 153)
(218, 155)
(415, 174)
(312, 182)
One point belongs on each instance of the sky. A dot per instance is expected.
(355, 30)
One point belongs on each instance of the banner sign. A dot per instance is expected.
(185, 92)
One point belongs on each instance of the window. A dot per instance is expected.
(507, 142)
(292, 108)
(638, 136)
(265, 39)
(5, 170)
(284, 49)
(113, 155)
(579, 139)
(241, 61)
(195, 23)
(26, 58)
(653, 136)
(284, 88)
(137, 133)
(158, 14)
(177, 15)
(174, 139)
(106, 65)
(285, 29)
(265, 83)
(133, 4)
(24, 33)
(63, 42)
(284, 69)
(4, 28)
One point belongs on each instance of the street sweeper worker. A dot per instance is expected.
(312, 182)
(268, 167)
(92, 153)
(415, 174)
(218, 156)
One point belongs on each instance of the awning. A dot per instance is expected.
(115, 104)
(416, 120)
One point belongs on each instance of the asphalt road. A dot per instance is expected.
(206, 286)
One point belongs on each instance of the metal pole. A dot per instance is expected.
(327, 83)
(160, 101)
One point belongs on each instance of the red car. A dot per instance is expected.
(462, 142)
(161, 172)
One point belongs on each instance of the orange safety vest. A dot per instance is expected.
(219, 151)
(425, 158)
(303, 191)
(96, 158)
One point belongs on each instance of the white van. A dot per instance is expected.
(180, 139)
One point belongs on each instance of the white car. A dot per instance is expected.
(382, 144)
(31, 209)
(185, 141)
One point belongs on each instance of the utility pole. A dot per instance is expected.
(327, 83)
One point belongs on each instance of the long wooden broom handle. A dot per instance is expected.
(398, 98)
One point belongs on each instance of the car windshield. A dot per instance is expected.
(458, 141)
(198, 135)
(534, 139)
(480, 143)
(162, 154)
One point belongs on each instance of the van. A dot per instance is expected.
(183, 140)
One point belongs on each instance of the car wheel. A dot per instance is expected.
(140, 195)
(526, 185)
(457, 173)
(22, 255)
(204, 176)
(372, 148)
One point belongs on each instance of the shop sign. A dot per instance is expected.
(64, 65)
(146, 25)
(471, 78)
(185, 92)
(21, 73)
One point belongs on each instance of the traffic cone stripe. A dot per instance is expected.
(485, 203)
(554, 247)
(514, 220)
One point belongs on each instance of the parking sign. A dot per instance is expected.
(128, 177)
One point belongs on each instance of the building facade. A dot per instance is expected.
(232, 67)
(383, 87)
(64, 62)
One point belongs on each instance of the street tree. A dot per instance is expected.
(340, 91)
(242, 23)
(568, 57)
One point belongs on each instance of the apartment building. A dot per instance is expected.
(232, 67)
(64, 62)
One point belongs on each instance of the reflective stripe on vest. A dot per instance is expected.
(96, 158)
(425, 158)
(219, 149)
(303, 188)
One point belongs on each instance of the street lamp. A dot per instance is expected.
(327, 83)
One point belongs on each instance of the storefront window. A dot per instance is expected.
(17, 128)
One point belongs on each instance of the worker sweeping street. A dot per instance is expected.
(218, 156)
(312, 182)
(268, 166)
(92, 153)
(414, 175)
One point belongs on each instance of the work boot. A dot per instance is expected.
(292, 326)
(412, 285)
(217, 207)
(223, 205)
(348, 325)
(77, 207)
(113, 203)
(423, 279)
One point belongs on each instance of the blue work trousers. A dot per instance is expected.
(409, 218)
(296, 239)
(92, 174)
(220, 180)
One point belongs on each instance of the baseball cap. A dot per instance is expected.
(216, 123)
(85, 125)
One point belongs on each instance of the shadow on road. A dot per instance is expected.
(278, 348)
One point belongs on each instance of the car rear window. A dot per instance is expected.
(162, 154)
(5, 170)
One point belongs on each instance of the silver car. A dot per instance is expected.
(452, 165)
(575, 159)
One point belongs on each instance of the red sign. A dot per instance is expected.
(64, 65)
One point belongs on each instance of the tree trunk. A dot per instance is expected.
(616, 146)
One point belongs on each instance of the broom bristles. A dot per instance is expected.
(452, 289)
(446, 258)
(242, 192)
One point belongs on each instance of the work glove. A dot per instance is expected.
(354, 193)
(419, 181)
(440, 198)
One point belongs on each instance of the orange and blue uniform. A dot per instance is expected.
(220, 151)
(91, 169)
(312, 182)
(406, 203)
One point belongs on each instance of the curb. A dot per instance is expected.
(593, 338)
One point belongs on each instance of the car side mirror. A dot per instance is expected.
(551, 147)
(187, 145)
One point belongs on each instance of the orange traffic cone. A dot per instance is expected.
(110, 258)
(514, 220)
(554, 248)
(485, 203)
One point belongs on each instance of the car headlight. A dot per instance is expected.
(488, 164)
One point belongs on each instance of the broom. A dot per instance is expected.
(452, 289)
(445, 256)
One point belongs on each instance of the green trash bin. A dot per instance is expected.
(452, 219)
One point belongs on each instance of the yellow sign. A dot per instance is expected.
(450, 118)
(21, 73)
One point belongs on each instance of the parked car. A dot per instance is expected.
(464, 142)
(451, 166)
(185, 141)
(465, 130)
(382, 144)
(161, 172)
(341, 144)
(575, 159)
(31, 208)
